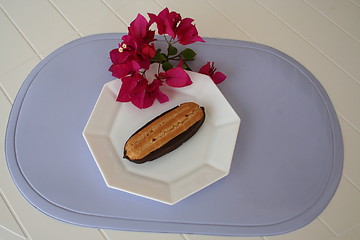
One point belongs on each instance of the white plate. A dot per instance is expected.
(200, 161)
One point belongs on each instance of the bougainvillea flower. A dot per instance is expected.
(137, 42)
(166, 21)
(154, 90)
(177, 77)
(144, 55)
(144, 94)
(122, 69)
(135, 89)
(135, 51)
(139, 30)
(187, 32)
(127, 87)
(140, 97)
(210, 70)
(118, 57)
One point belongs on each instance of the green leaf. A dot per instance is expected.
(188, 54)
(172, 50)
(159, 57)
(167, 65)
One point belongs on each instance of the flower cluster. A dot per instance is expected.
(137, 52)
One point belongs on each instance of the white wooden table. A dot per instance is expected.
(323, 35)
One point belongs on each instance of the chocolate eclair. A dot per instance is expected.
(164, 133)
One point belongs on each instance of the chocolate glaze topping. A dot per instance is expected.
(170, 145)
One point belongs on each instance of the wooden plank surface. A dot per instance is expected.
(323, 35)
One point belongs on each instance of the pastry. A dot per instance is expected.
(164, 133)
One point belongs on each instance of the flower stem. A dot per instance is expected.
(187, 66)
(166, 39)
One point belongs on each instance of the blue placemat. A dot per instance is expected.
(286, 167)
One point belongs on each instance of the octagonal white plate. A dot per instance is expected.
(199, 162)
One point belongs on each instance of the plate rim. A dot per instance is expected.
(200, 80)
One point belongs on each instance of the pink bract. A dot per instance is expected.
(154, 90)
(137, 51)
(128, 85)
(210, 70)
(139, 97)
(177, 77)
(187, 32)
(166, 21)
(122, 69)
(139, 30)
(135, 89)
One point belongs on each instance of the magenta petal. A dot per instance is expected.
(114, 55)
(119, 57)
(187, 32)
(190, 40)
(160, 96)
(119, 70)
(129, 83)
(196, 39)
(205, 69)
(138, 28)
(124, 57)
(177, 77)
(125, 91)
(148, 51)
(135, 65)
(185, 23)
(138, 100)
(165, 21)
(138, 95)
(218, 77)
(124, 95)
(148, 100)
(156, 83)
(180, 64)
(152, 18)
(154, 90)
